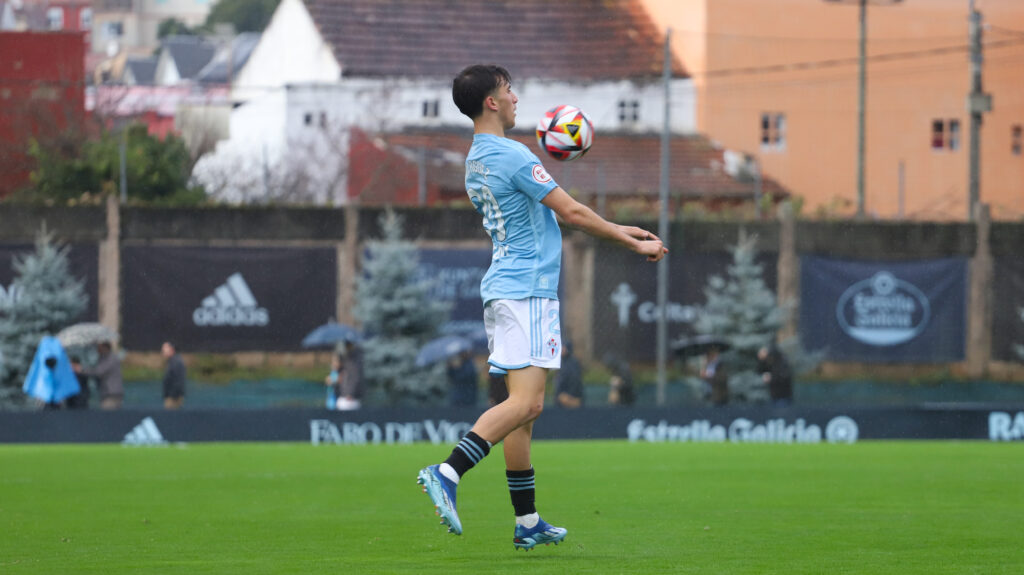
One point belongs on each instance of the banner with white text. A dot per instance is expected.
(883, 312)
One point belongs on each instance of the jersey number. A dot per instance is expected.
(494, 220)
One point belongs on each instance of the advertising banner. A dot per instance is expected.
(1008, 309)
(884, 312)
(83, 263)
(454, 276)
(225, 299)
(445, 426)
(626, 298)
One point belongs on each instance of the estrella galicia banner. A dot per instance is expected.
(1008, 309)
(225, 299)
(625, 307)
(83, 263)
(869, 311)
(454, 277)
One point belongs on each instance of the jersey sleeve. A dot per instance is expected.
(532, 179)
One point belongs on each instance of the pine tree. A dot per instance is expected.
(742, 310)
(48, 299)
(398, 316)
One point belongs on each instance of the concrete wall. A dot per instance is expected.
(348, 228)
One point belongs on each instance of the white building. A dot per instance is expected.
(324, 66)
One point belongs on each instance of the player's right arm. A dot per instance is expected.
(582, 217)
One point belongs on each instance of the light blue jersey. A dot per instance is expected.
(506, 183)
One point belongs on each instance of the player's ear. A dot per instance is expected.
(490, 103)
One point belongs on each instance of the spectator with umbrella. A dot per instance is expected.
(345, 384)
(107, 369)
(712, 370)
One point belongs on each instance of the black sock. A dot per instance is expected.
(521, 488)
(468, 453)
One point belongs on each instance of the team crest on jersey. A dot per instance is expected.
(540, 174)
(553, 346)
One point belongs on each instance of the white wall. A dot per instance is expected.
(392, 104)
(291, 50)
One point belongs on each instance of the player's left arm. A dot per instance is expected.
(582, 217)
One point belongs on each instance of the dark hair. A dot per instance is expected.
(471, 87)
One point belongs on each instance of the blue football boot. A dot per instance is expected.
(442, 492)
(542, 532)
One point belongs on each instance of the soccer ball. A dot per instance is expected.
(565, 133)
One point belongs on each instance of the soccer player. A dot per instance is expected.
(518, 201)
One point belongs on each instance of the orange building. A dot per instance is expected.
(778, 79)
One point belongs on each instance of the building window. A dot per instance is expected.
(773, 130)
(85, 19)
(629, 111)
(1016, 139)
(113, 30)
(307, 119)
(946, 135)
(55, 18)
(431, 108)
(323, 119)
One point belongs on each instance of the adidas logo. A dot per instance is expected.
(144, 434)
(231, 304)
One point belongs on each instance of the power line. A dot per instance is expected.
(839, 62)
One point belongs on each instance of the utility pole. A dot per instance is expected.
(978, 102)
(662, 339)
(862, 82)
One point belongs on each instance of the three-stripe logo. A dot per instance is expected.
(231, 304)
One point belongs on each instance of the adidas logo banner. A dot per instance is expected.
(231, 304)
(144, 434)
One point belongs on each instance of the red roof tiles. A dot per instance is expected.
(572, 40)
(619, 165)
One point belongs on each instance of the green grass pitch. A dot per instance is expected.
(883, 507)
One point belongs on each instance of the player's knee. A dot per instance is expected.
(534, 409)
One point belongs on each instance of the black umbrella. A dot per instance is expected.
(330, 334)
(698, 345)
(442, 348)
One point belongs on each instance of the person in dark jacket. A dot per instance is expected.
(350, 389)
(81, 400)
(713, 371)
(174, 377)
(776, 372)
(620, 387)
(462, 380)
(108, 371)
(569, 381)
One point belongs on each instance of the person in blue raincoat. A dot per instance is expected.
(51, 379)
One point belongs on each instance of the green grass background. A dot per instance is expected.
(885, 507)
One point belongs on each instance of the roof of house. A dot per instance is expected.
(143, 70)
(190, 54)
(619, 165)
(569, 40)
(238, 51)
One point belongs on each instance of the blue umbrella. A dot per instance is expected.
(441, 349)
(330, 334)
(51, 379)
